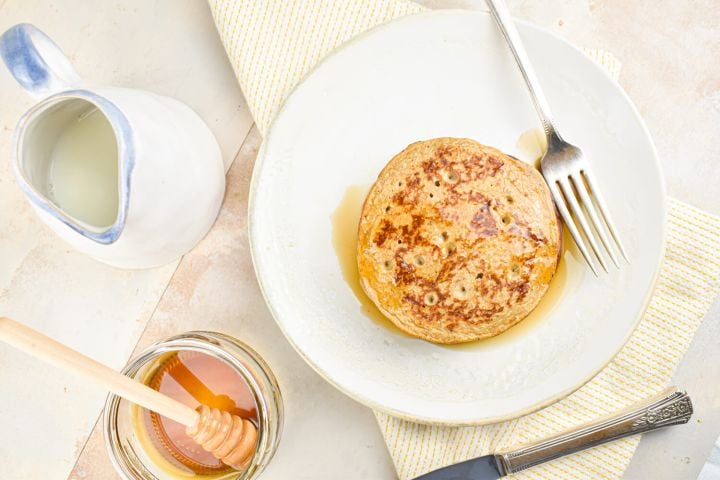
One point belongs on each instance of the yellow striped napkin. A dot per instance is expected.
(272, 44)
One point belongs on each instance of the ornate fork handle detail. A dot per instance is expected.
(671, 407)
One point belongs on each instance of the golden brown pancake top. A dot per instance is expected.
(457, 241)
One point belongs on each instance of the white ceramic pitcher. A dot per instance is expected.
(131, 178)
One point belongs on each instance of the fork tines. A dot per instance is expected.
(579, 190)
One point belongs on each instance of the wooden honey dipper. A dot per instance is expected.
(227, 437)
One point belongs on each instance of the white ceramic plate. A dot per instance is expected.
(447, 74)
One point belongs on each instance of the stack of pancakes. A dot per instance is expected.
(457, 241)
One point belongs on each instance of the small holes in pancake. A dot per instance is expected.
(431, 195)
(449, 176)
(431, 298)
(506, 219)
(399, 242)
(420, 260)
(437, 183)
(510, 199)
(444, 235)
(399, 184)
(515, 272)
(460, 291)
(387, 209)
(479, 276)
(448, 249)
(388, 264)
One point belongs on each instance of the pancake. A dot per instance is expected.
(457, 241)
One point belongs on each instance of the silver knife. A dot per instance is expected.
(671, 407)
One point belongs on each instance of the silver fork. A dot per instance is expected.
(565, 168)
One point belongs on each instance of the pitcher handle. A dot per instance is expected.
(36, 62)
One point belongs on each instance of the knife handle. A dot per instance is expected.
(671, 407)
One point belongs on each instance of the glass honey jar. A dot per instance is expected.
(195, 368)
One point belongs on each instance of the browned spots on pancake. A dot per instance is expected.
(456, 313)
(449, 159)
(484, 166)
(483, 222)
(467, 246)
(386, 230)
(404, 272)
(520, 287)
(526, 231)
(411, 233)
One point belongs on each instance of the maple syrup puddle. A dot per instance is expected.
(345, 220)
(531, 146)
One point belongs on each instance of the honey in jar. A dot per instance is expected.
(195, 378)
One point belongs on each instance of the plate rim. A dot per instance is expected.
(404, 415)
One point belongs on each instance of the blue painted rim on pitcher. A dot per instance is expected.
(126, 163)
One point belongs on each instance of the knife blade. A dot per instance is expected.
(481, 468)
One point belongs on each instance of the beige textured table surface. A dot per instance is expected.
(669, 51)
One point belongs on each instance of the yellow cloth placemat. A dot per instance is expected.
(272, 44)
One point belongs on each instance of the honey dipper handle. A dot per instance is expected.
(55, 353)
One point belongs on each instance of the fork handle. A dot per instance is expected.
(504, 21)
(670, 407)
